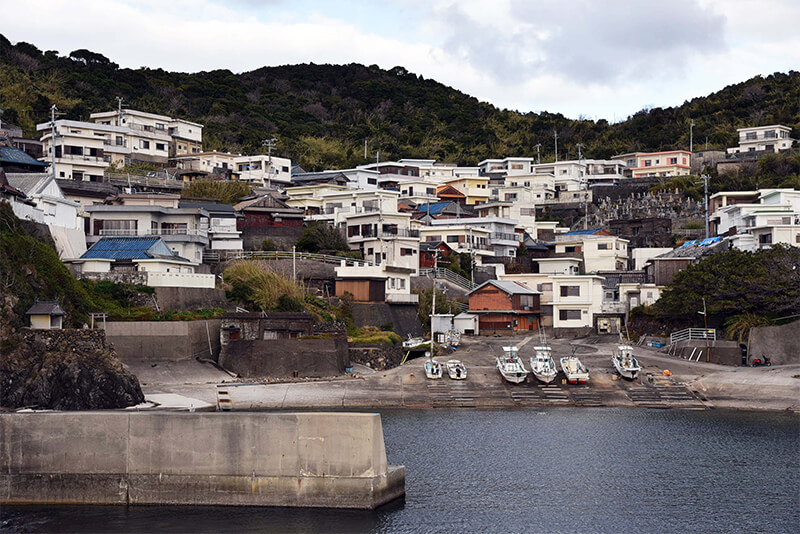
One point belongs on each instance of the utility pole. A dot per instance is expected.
(53, 110)
(433, 304)
(705, 199)
(691, 137)
(555, 136)
(270, 144)
(119, 110)
(365, 149)
(294, 263)
(538, 146)
(584, 184)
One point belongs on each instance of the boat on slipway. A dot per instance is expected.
(625, 363)
(542, 365)
(432, 369)
(574, 370)
(511, 367)
(456, 370)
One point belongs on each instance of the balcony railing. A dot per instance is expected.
(159, 231)
(401, 298)
(331, 210)
(501, 236)
(80, 157)
(383, 234)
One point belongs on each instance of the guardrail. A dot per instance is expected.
(692, 333)
(448, 275)
(230, 255)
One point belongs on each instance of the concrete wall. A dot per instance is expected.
(284, 459)
(190, 298)
(779, 343)
(181, 280)
(402, 316)
(720, 351)
(164, 340)
(285, 357)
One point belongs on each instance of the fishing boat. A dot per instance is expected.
(624, 362)
(413, 342)
(432, 369)
(542, 365)
(456, 370)
(575, 371)
(510, 366)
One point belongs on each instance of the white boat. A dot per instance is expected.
(575, 371)
(456, 370)
(413, 342)
(542, 365)
(624, 362)
(432, 369)
(510, 366)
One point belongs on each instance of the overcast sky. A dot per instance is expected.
(601, 59)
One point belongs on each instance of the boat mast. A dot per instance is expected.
(433, 304)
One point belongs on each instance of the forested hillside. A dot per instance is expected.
(321, 114)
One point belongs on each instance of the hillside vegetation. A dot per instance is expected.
(322, 114)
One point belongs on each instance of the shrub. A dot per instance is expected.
(268, 244)
(257, 283)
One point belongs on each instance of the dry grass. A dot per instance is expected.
(258, 282)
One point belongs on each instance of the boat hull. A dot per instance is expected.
(625, 372)
(574, 376)
(545, 378)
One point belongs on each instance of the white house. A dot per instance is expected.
(384, 238)
(772, 138)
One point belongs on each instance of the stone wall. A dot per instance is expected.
(776, 342)
(283, 236)
(335, 460)
(379, 357)
(138, 278)
(286, 358)
(403, 317)
(164, 340)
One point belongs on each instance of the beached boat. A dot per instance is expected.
(624, 362)
(456, 370)
(432, 369)
(414, 342)
(575, 371)
(510, 366)
(542, 365)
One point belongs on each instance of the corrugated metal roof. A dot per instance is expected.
(130, 248)
(10, 154)
(512, 288)
(583, 232)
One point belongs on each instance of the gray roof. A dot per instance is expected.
(29, 183)
(45, 307)
(319, 177)
(512, 288)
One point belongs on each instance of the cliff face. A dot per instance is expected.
(64, 370)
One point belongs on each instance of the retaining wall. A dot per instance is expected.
(286, 357)
(164, 340)
(335, 460)
(402, 316)
(720, 351)
(779, 343)
(190, 298)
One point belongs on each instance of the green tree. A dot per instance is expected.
(321, 237)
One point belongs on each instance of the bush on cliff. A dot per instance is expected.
(257, 283)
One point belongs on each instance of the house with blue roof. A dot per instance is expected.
(146, 260)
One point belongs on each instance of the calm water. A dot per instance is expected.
(529, 470)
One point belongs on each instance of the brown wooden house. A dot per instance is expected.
(505, 307)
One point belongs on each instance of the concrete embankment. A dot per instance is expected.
(164, 340)
(333, 460)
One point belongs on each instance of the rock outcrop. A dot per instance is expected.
(64, 370)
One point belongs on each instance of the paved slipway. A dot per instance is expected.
(695, 385)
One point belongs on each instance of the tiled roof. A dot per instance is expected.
(512, 288)
(45, 307)
(29, 183)
(131, 248)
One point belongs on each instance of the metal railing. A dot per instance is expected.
(164, 180)
(384, 234)
(230, 255)
(504, 236)
(692, 333)
(450, 276)
(158, 231)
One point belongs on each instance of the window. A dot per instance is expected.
(569, 315)
(649, 294)
(750, 135)
(353, 231)
(144, 144)
(452, 239)
(570, 249)
(648, 163)
(118, 140)
(406, 252)
(602, 246)
(160, 126)
(751, 149)
(401, 283)
(161, 146)
(570, 291)
(372, 181)
(673, 161)
(770, 134)
(516, 166)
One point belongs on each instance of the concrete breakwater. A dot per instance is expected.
(335, 460)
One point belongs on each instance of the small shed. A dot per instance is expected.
(466, 323)
(46, 315)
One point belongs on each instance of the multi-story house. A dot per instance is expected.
(263, 170)
(505, 308)
(576, 300)
(661, 164)
(757, 219)
(338, 205)
(310, 198)
(185, 230)
(498, 169)
(222, 221)
(148, 134)
(384, 238)
(772, 138)
(513, 202)
(599, 250)
(217, 164)
(503, 240)
(475, 189)
(84, 150)
(462, 238)
(439, 172)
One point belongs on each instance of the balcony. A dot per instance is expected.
(381, 234)
(501, 236)
(156, 232)
(80, 158)
(331, 210)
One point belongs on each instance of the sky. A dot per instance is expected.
(582, 58)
